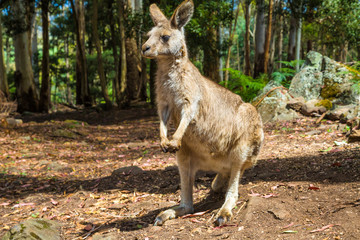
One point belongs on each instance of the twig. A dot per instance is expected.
(95, 229)
(262, 98)
(241, 207)
(321, 117)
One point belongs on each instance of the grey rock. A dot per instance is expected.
(35, 229)
(273, 106)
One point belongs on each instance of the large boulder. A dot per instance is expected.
(308, 82)
(273, 106)
(35, 229)
(324, 78)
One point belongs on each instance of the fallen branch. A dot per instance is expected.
(263, 97)
(321, 117)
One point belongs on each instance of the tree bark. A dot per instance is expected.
(212, 55)
(45, 101)
(298, 37)
(27, 97)
(34, 51)
(281, 36)
(268, 37)
(247, 38)
(259, 39)
(82, 85)
(292, 38)
(153, 68)
(4, 87)
(231, 39)
(124, 98)
(100, 65)
(116, 80)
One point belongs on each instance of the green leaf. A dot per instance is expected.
(290, 232)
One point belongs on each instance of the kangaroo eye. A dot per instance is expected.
(165, 38)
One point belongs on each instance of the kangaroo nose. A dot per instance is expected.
(145, 48)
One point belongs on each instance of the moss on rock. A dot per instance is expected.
(326, 103)
(330, 90)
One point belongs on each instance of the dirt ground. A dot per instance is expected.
(103, 176)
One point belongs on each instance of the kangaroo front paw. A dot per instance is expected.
(170, 146)
(222, 217)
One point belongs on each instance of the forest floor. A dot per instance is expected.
(102, 174)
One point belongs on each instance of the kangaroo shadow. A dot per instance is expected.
(335, 167)
(330, 167)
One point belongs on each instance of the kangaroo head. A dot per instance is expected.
(167, 37)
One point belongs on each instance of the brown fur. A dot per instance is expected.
(216, 130)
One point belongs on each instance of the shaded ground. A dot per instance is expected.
(103, 174)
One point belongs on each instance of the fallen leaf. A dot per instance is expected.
(252, 194)
(312, 187)
(194, 214)
(225, 225)
(88, 227)
(269, 195)
(194, 220)
(54, 202)
(325, 150)
(324, 228)
(287, 226)
(289, 231)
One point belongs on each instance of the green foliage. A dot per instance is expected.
(243, 85)
(285, 74)
(355, 72)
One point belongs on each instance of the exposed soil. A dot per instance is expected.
(103, 175)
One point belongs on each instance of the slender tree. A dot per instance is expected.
(247, 8)
(100, 65)
(268, 37)
(123, 83)
(45, 101)
(231, 40)
(82, 86)
(4, 88)
(259, 39)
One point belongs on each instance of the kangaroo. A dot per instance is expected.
(216, 130)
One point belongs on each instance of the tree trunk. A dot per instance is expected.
(268, 37)
(298, 43)
(100, 65)
(124, 98)
(280, 39)
(247, 38)
(67, 65)
(27, 97)
(82, 85)
(4, 87)
(116, 85)
(232, 31)
(259, 39)
(153, 68)
(133, 64)
(45, 101)
(133, 58)
(34, 51)
(292, 38)
(212, 55)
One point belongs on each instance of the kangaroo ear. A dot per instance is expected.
(156, 14)
(182, 14)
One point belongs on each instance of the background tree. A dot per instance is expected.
(45, 101)
(4, 88)
(26, 93)
(100, 65)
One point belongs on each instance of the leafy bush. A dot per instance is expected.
(285, 74)
(244, 85)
